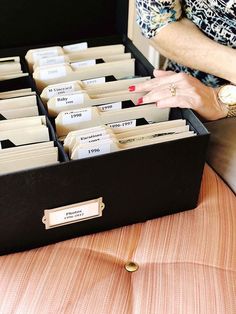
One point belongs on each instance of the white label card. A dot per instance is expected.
(82, 64)
(77, 116)
(120, 126)
(51, 73)
(86, 138)
(112, 106)
(74, 213)
(51, 61)
(95, 150)
(48, 53)
(105, 137)
(70, 100)
(99, 80)
(76, 47)
(60, 90)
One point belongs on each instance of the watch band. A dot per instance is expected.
(227, 97)
(231, 111)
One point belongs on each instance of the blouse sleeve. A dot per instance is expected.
(153, 15)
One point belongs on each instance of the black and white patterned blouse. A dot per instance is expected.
(215, 18)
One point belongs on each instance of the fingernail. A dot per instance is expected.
(140, 101)
(132, 88)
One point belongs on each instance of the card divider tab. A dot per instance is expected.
(62, 156)
(194, 122)
(42, 111)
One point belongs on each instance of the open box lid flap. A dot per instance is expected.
(30, 23)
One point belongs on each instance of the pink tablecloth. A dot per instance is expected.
(187, 265)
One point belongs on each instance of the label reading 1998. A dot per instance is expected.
(111, 106)
(77, 116)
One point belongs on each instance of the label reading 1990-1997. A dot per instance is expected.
(117, 126)
(65, 215)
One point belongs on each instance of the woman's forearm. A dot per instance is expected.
(184, 43)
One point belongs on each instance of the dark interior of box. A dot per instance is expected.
(34, 23)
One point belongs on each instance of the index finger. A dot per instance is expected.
(155, 82)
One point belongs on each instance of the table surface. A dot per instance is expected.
(187, 264)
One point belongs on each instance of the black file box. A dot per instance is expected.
(130, 186)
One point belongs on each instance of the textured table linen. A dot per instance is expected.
(187, 265)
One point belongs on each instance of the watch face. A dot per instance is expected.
(227, 94)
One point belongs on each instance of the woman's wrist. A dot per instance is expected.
(221, 109)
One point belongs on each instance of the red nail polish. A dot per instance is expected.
(132, 88)
(140, 101)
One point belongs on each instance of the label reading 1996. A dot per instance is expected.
(96, 150)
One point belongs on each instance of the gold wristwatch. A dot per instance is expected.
(227, 96)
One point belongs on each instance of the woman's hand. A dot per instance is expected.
(169, 89)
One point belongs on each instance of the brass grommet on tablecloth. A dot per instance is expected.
(131, 267)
